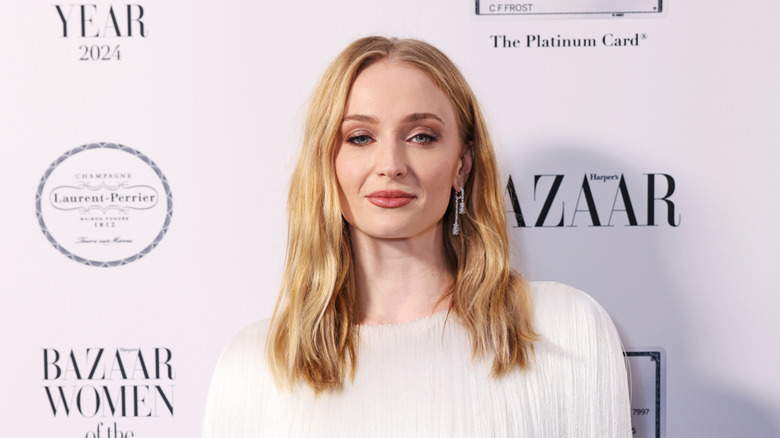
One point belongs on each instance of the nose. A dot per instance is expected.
(391, 159)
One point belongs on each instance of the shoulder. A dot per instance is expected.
(248, 345)
(551, 293)
(242, 360)
(239, 381)
(559, 306)
(569, 320)
(580, 346)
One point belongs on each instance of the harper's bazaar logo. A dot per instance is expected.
(116, 384)
(593, 199)
(104, 204)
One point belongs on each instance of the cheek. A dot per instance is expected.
(350, 177)
(443, 173)
(439, 181)
(343, 183)
(345, 172)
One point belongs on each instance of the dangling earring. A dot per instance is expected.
(460, 208)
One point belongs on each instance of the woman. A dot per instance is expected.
(399, 313)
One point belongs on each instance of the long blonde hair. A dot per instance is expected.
(314, 334)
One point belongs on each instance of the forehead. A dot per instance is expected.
(395, 89)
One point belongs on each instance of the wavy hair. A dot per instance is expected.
(314, 332)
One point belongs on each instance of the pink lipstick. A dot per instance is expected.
(390, 198)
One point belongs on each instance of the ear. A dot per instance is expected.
(464, 169)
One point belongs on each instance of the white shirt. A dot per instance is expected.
(418, 379)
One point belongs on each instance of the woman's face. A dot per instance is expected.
(399, 153)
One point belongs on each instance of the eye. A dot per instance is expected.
(359, 140)
(423, 138)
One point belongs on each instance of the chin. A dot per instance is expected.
(388, 234)
(395, 231)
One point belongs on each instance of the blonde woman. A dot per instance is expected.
(399, 315)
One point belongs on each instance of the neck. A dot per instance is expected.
(399, 280)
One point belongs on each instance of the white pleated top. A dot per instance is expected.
(418, 379)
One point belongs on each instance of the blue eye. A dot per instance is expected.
(359, 139)
(423, 138)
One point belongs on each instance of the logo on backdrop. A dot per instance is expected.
(534, 41)
(104, 26)
(592, 200)
(109, 384)
(569, 8)
(104, 204)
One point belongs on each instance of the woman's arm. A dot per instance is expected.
(234, 405)
(581, 350)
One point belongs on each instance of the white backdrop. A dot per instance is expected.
(214, 94)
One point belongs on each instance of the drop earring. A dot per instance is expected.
(460, 208)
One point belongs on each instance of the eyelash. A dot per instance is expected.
(354, 139)
(429, 138)
(363, 139)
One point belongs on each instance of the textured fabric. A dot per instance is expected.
(417, 379)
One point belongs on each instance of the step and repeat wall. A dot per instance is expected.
(147, 148)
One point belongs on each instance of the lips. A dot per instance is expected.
(390, 198)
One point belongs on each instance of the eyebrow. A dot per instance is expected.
(422, 116)
(361, 118)
(410, 118)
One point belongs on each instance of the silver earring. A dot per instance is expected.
(460, 208)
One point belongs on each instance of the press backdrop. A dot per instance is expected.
(147, 147)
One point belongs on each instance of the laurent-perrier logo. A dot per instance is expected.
(104, 204)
